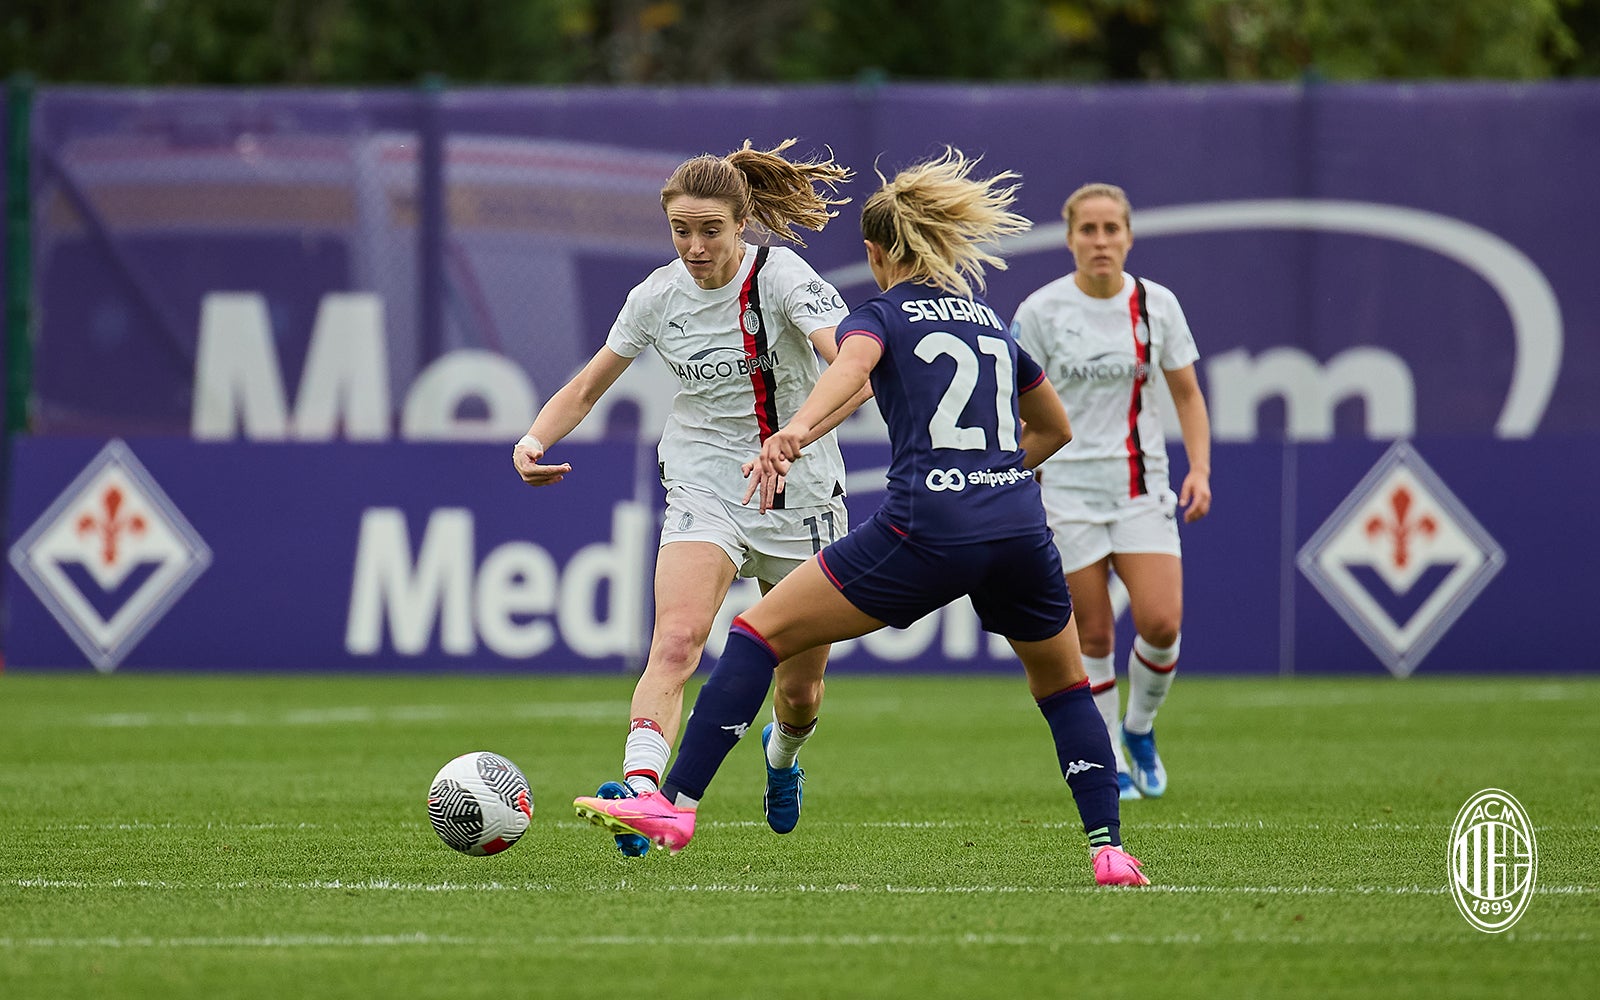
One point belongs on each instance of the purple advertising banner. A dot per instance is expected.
(312, 322)
(1357, 261)
(165, 554)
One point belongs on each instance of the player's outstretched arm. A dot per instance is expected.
(564, 411)
(823, 339)
(1190, 405)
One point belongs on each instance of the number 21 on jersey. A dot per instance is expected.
(943, 428)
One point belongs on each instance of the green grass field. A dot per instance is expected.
(180, 837)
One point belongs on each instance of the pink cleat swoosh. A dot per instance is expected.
(1114, 866)
(650, 816)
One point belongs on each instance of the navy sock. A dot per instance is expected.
(1083, 748)
(727, 704)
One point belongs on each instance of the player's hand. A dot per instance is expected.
(767, 472)
(769, 483)
(526, 462)
(1195, 496)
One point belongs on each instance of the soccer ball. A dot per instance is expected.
(480, 803)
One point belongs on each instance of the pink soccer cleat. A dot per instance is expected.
(650, 816)
(1114, 866)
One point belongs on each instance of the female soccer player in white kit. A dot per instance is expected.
(1101, 335)
(740, 326)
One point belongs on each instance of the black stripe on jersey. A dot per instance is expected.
(1137, 487)
(763, 380)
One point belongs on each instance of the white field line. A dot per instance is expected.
(1289, 696)
(1053, 941)
(385, 885)
(1267, 696)
(351, 715)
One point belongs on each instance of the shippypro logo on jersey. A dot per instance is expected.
(1493, 860)
(954, 480)
(110, 556)
(1401, 559)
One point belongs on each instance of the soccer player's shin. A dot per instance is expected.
(1150, 673)
(1083, 749)
(1102, 671)
(727, 704)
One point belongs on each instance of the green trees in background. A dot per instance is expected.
(715, 41)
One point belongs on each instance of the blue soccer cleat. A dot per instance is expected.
(781, 801)
(1146, 770)
(1125, 790)
(630, 844)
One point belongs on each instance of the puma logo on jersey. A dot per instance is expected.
(737, 731)
(675, 325)
(1078, 767)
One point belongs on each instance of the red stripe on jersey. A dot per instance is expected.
(1141, 353)
(762, 380)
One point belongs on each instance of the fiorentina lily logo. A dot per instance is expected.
(1401, 559)
(110, 556)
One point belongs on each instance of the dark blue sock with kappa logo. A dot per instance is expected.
(723, 711)
(1083, 748)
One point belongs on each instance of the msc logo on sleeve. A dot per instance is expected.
(110, 556)
(1401, 559)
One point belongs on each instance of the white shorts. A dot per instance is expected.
(1087, 533)
(766, 546)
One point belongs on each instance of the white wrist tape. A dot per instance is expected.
(531, 442)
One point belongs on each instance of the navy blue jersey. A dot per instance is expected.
(947, 385)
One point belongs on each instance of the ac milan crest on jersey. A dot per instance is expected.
(110, 556)
(1401, 559)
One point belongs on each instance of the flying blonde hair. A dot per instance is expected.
(938, 223)
(764, 187)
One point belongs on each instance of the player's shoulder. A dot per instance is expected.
(784, 264)
(658, 282)
(1050, 294)
(1157, 293)
(875, 312)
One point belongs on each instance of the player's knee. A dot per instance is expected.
(1096, 640)
(1161, 632)
(804, 697)
(676, 649)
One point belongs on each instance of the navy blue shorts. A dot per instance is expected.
(1016, 584)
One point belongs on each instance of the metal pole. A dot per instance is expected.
(431, 222)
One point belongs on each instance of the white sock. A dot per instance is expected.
(1102, 671)
(644, 757)
(1150, 671)
(785, 744)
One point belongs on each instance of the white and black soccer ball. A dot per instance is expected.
(480, 803)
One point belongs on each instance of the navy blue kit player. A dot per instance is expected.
(970, 416)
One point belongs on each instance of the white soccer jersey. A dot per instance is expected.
(1100, 355)
(746, 364)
